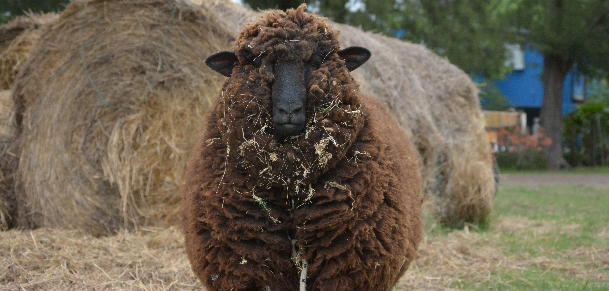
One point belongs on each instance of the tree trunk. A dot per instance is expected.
(554, 71)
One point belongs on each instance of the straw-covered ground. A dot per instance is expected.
(532, 244)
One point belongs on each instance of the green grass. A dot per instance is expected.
(536, 279)
(577, 170)
(554, 225)
(538, 238)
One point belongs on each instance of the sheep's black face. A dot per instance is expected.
(289, 98)
(288, 90)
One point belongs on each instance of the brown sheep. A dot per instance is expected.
(298, 179)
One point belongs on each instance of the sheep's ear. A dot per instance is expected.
(222, 62)
(354, 56)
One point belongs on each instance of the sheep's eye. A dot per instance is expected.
(257, 62)
(315, 61)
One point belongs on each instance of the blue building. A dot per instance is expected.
(524, 88)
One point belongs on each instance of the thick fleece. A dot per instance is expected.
(343, 195)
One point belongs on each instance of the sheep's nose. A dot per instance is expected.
(290, 110)
(289, 119)
(289, 99)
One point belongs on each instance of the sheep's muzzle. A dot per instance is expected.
(289, 98)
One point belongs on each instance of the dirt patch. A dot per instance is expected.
(520, 225)
(598, 180)
(603, 233)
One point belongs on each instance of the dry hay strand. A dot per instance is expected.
(17, 38)
(84, 164)
(437, 105)
(53, 259)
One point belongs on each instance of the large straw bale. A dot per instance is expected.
(8, 162)
(17, 38)
(438, 103)
(89, 165)
(435, 102)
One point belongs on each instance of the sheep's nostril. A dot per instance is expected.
(284, 111)
(289, 110)
(296, 110)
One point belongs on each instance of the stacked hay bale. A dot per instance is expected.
(7, 162)
(17, 38)
(436, 103)
(105, 147)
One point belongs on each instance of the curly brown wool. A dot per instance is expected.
(343, 195)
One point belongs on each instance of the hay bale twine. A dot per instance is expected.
(101, 162)
(17, 38)
(436, 103)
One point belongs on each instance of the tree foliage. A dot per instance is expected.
(566, 32)
(491, 98)
(273, 4)
(465, 31)
(20, 7)
(593, 113)
(574, 30)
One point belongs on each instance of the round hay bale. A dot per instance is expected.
(8, 162)
(435, 102)
(17, 38)
(438, 104)
(113, 159)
